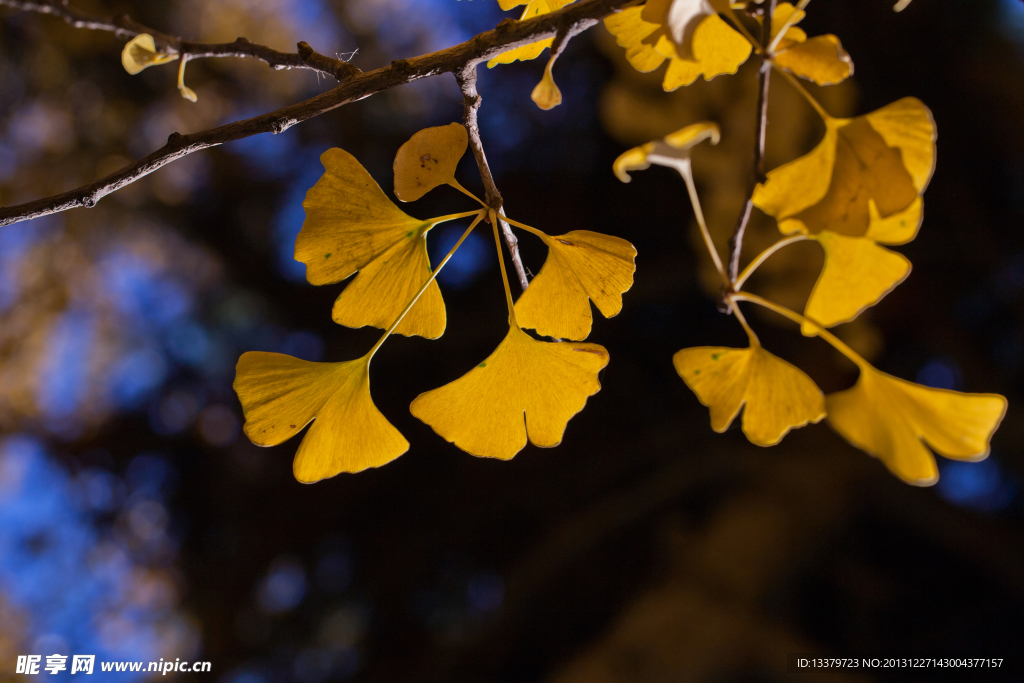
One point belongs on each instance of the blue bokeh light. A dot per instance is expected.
(475, 255)
(977, 485)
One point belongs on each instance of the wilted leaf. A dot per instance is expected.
(889, 417)
(777, 395)
(668, 151)
(140, 53)
(525, 389)
(688, 33)
(280, 395)
(352, 226)
(581, 265)
(546, 94)
(429, 159)
(821, 59)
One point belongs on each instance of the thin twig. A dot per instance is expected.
(492, 197)
(736, 243)
(507, 36)
(124, 26)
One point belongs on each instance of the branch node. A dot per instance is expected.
(176, 139)
(505, 24)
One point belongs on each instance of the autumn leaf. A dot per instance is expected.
(778, 396)
(859, 188)
(280, 395)
(669, 151)
(821, 59)
(140, 53)
(581, 266)
(546, 94)
(893, 420)
(694, 39)
(352, 226)
(525, 389)
(534, 8)
(429, 159)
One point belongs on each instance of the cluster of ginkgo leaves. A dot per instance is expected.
(860, 188)
(526, 389)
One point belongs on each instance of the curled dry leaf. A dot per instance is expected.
(694, 39)
(352, 226)
(428, 159)
(534, 8)
(669, 151)
(821, 59)
(546, 94)
(778, 396)
(525, 389)
(140, 53)
(280, 395)
(860, 187)
(889, 418)
(581, 266)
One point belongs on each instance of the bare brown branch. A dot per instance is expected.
(736, 243)
(124, 26)
(506, 36)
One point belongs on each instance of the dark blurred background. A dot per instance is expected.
(137, 522)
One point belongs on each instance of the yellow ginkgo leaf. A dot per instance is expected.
(778, 396)
(581, 265)
(352, 226)
(688, 33)
(860, 186)
(889, 417)
(280, 395)
(669, 151)
(534, 8)
(857, 274)
(546, 94)
(140, 53)
(525, 389)
(821, 59)
(429, 159)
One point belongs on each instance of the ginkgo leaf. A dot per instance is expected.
(525, 389)
(534, 8)
(546, 94)
(280, 395)
(581, 265)
(688, 33)
(778, 396)
(352, 226)
(886, 156)
(140, 53)
(857, 274)
(821, 59)
(668, 151)
(429, 159)
(888, 418)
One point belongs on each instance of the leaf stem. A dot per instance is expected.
(800, 320)
(686, 170)
(479, 217)
(455, 183)
(539, 233)
(803, 91)
(754, 340)
(764, 255)
(504, 275)
(454, 216)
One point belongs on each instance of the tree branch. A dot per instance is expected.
(124, 26)
(736, 243)
(472, 100)
(507, 35)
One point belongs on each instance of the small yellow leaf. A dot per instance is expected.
(778, 396)
(280, 395)
(352, 226)
(140, 53)
(581, 265)
(857, 274)
(546, 94)
(821, 59)
(888, 418)
(525, 389)
(534, 8)
(668, 151)
(429, 159)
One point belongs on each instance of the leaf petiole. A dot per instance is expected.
(479, 217)
(685, 170)
(763, 256)
(504, 275)
(803, 91)
(539, 233)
